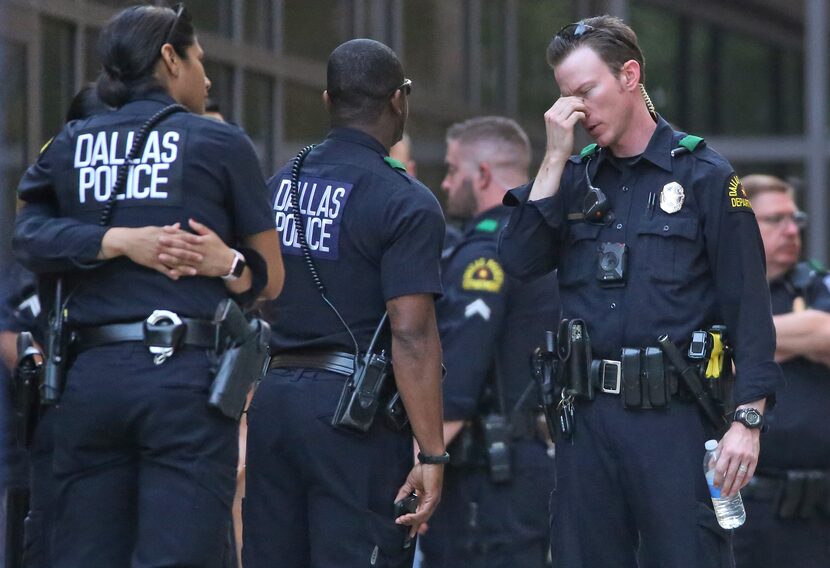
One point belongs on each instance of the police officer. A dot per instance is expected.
(494, 511)
(21, 309)
(319, 495)
(653, 236)
(788, 511)
(144, 468)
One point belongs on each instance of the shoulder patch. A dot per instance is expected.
(483, 275)
(736, 195)
(393, 163)
(488, 226)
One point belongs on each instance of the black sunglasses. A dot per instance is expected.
(180, 10)
(575, 30)
(406, 87)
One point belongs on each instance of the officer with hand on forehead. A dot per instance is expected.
(654, 239)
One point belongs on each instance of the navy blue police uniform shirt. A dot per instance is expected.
(375, 233)
(190, 167)
(489, 321)
(687, 270)
(798, 437)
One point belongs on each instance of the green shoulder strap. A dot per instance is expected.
(397, 164)
(588, 150)
(488, 226)
(690, 142)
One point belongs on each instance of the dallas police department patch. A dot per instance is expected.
(671, 197)
(153, 178)
(738, 199)
(321, 204)
(483, 275)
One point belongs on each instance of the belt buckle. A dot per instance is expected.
(161, 353)
(612, 386)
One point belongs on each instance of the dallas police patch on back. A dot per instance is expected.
(153, 177)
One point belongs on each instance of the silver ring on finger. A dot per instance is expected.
(743, 468)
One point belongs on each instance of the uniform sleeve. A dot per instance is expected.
(530, 243)
(248, 195)
(471, 313)
(820, 293)
(736, 252)
(43, 241)
(413, 239)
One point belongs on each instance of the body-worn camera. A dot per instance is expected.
(497, 441)
(611, 263)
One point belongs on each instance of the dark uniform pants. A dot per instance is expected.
(480, 524)
(42, 495)
(316, 496)
(145, 470)
(635, 476)
(765, 541)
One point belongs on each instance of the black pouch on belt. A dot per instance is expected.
(632, 388)
(575, 353)
(655, 375)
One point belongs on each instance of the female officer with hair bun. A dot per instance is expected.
(144, 468)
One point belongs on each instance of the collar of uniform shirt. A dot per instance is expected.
(658, 150)
(496, 213)
(357, 137)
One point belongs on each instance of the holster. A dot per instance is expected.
(243, 349)
(28, 376)
(545, 365)
(574, 348)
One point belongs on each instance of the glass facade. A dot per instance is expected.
(266, 60)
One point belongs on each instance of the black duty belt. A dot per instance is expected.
(197, 333)
(797, 494)
(333, 361)
(607, 375)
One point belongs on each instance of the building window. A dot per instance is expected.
(313, 29)
(221, 87)
(13, 138)
(212, 16)
(57, 79)
(258, 117)
(306, 119)
(259, 23)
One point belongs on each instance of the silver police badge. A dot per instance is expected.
(671, 198)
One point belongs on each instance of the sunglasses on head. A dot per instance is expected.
(180, 10)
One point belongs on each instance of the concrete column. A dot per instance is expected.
(815, 127)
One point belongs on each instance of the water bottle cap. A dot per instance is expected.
(711, 445)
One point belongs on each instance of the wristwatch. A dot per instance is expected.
(442, 459)
(237, 266)
(750, 417)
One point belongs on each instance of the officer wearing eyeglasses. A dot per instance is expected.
(788, 500)
(653, 236)
(320, 494)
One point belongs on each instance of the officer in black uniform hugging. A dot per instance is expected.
(328, 451)
(788, 501)
(139, 258)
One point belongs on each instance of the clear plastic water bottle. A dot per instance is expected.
(729, 510)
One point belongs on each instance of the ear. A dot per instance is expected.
(327, 101)
(485, 175)
(398, 102)
(170, 59)
(630, 74)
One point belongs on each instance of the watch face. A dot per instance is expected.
(752, 417)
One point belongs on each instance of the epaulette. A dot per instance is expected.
(588, 151)
(393, 163)
(487, 226)
(687, 145)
